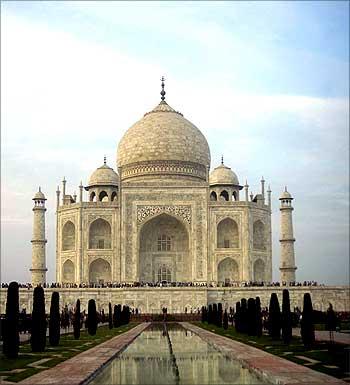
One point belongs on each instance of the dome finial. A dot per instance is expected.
(39, 188)
(222, 159)
(162, 92)
(104, 160)
(285, 188)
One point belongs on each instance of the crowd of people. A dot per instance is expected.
(54, 285)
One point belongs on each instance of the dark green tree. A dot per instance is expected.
(55, 321)
(237, 317)
(92, 317)
(225, 320)
(307, 328)
(11, 324)
(258, 317)
(119, 315)
(286, 318)
(274, 320)
(251, 317)
(219, 316)
(210, 314)
(76, 321)
(39, 324)
(215, 314)
(244, 318)
(115, 314)
(110, 316)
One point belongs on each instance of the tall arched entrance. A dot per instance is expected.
(99, 271)
(228, 271)
(164, 251)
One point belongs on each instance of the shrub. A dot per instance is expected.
(215, 314)
(219, 316)
(225, 320)
(115, 316)
(307, 329)
(274, 322)
(54, 321)
(11, 325)
(210, 314)
(38, 334)
(92, 317)
(286, 318)
(258, 317)
(110, 317)
(76, 321)
(251, 317)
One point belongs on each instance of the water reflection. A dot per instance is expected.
(148, 360)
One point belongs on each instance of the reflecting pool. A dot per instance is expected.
(176, 357)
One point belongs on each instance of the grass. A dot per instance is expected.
(64, 352)
(336, 356)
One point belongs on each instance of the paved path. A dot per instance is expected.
(323, 335)
(80, 367)
(272, 368)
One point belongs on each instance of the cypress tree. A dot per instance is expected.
(258, 317)
(210, 314)
(76, 322)
(274, 317)
(219, 316)
(215, 314)
(119, 315)
(11, 325)
(115, 319)
(286, 318)
(54, 321)
(307, 324)
(202, 314)
(92, 317)
(38, 335)
(243, 319)
(237, 317)
(225, 320)
(251, 317)
(110, 317)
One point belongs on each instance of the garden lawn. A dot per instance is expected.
(334, 363)
(27, 362)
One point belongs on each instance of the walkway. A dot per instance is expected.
(272, 368)
(80, 367)
(323, 335)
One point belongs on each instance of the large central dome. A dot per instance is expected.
(163, 142)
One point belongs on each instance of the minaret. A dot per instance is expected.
(287, 267)
(39, 242)
(246, 186)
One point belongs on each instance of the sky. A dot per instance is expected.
(266, 82)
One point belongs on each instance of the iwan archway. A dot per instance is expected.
(164, 251)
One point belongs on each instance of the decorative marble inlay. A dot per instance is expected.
(184, 212)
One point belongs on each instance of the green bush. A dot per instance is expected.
(76, 321)
(39, 324)
(54, 321)
(11, 324)
(92, 317)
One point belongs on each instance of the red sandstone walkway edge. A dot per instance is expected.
(269, 367)
(79, 368)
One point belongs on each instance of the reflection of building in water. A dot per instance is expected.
(161, 215)
(148, 361)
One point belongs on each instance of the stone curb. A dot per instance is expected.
(78, 369)
(267, 366)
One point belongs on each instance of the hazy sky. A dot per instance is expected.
(267, 84)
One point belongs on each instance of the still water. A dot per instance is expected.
(176, 357)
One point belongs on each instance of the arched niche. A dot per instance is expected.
(103, 196)
(92, 197)
(228, 271)
(224, 196)
(114, 196)
(164, 240)
(259, 235)
(100, 271)
(68, 272)
(227, 234)
(213, 196)
(68, 236)
(100, 234)
(259, 270)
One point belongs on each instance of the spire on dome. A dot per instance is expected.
(222, 159)
(104, 160)
(162, 92)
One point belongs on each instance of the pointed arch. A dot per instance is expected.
(100, 234)
(103, 196)
(99, 271)
(259, 235)
(224, 195)
(259, 270)
(213, 196)
(114, 196)
(93, 197)
(228, 271)
(227, 234)
(68, 272)
(68, 236)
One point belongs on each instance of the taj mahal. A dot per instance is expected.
(162, 216)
